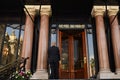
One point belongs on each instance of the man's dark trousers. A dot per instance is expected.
(54, 66)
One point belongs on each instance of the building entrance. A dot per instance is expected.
(73, 55)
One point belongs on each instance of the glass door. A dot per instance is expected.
(72, 55)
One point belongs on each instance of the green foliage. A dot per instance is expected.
(92, 62)
(22, 75)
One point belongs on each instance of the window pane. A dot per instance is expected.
(11, 48)
(53, 35)
(65, 63)
(78, 53)
(91, 52)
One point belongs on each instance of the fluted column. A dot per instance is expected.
(28, 36)
(112, 11)
(41, 71)
(98, 13)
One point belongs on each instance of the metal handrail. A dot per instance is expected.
(8, 69)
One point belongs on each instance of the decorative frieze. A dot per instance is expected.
(71, 26)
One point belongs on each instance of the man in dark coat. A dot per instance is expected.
(53, 60)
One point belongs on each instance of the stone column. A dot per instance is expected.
(112, 11)
(98, 13)
(41, 71)
(28, 36)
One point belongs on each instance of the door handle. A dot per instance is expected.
(85, 60)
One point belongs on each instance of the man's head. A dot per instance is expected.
(53, 44)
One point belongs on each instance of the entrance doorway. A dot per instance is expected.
(73, 54)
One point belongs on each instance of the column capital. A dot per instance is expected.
(98, 10)
(45, 10)
(112, 10)
(32, 9)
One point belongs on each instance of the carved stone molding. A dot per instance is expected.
(98, 10)
(112, 10)
(32, 9)
(46, 10)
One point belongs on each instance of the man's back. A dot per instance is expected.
(53, 54)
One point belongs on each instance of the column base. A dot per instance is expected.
(27, 70)
(41, 74)
(117, 71)
(108, 75)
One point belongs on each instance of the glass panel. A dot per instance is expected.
(91, 52)
(78, 53)
(20, 44)
(65, 53)
(53, 35)
(10, 46)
